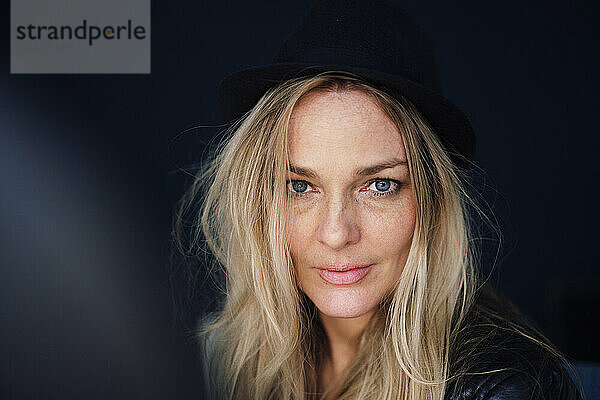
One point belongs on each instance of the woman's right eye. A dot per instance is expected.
(298, 187)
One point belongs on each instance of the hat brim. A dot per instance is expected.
(239, 93)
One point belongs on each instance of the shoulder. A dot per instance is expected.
(496, 355)
(514, 371)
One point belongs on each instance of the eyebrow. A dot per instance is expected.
(363, 171)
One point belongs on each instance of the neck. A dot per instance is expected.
(343, 336)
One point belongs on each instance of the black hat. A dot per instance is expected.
(374, 39)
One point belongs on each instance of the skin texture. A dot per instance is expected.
(338, 217)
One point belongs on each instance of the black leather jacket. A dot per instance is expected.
(490, 341)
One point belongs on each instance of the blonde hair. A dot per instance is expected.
(266, 342)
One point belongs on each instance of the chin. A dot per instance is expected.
(344, 302)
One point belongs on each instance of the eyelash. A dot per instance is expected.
(395, 182)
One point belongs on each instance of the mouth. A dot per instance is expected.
(344, 274)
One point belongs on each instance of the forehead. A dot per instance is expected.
(346, 127)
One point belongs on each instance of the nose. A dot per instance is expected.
(338, 226)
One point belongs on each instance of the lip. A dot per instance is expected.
(344, 274)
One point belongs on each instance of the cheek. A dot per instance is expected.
(302, 246)
(390, 234)
(297, 233)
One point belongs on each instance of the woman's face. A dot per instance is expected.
(352, 211)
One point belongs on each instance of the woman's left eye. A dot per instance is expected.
(382, 187)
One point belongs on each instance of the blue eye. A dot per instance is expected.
(376, 187)
(298, 187)
(383, 187)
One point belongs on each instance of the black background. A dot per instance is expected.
(91, 166)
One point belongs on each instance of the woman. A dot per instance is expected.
(336, 210)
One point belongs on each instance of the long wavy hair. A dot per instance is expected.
(266, 341)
